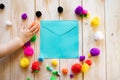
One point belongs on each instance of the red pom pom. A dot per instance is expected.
(89, 62)
(76, 68)
(35, 66)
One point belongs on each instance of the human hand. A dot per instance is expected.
(26, 33)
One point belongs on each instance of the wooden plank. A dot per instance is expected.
(19, 7)
(49, 12)
(5, 37)
(48, 9)
(98, 69)
(68, 14)
(112, 18)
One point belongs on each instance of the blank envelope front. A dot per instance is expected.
(59, 39)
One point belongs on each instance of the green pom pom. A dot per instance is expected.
(36, 71)
(55, 72)
(28, 78)
(85, 15)
(53, 78)
(81, 16)
(33, 39)
(47, 67)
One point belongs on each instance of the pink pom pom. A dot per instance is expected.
(28, 51)
(84, 12)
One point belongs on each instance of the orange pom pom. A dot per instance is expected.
(33, 23)
(64, 70)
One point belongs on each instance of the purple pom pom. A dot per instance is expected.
(82, 58)
(24, 16)
(71, 75)
(27, 44)
(95, 51)
(79, 10)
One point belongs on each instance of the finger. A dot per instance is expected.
(31, 25)
(21, 27)
(36, 31)
(31, 34)
(34, 27)
(23, 24)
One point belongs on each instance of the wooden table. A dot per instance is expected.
(105, 67)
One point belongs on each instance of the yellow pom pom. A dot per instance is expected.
(85, 68)
(24, 62)
(89, 55)
(54, 62)
(95, 22)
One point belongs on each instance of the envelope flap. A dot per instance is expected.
(59, 27)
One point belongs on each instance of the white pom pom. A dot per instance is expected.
(8, 23)
(59, 74)
(99, 35)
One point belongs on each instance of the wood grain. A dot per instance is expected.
(98, 70)
(68, 14)
(5, 36)
(112, 20)
(19, 7)
(105, 67)
(49, 12)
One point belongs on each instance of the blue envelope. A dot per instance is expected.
(59, 39)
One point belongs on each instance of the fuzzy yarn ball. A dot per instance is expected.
(87, 15)
(89, 62)
(98, 35)
(27, 44)
(82, 58)
(24, 16)
(95, 22)
(33, 23)
(2, 6)
(41, 59)
(95, 51)
(54, 62)
(49, 68)
(53, 77)
(28, 51)
(35, 67)
(33, 39)
(8, 23)
(71, 75)
(79, 10)
(38, 14)
(76, 68)
(85, 68)
(64, 71)
(60, 9)
(89, 55)
(84, 12)
(24, 62)
(28, 78)
(55, 73)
